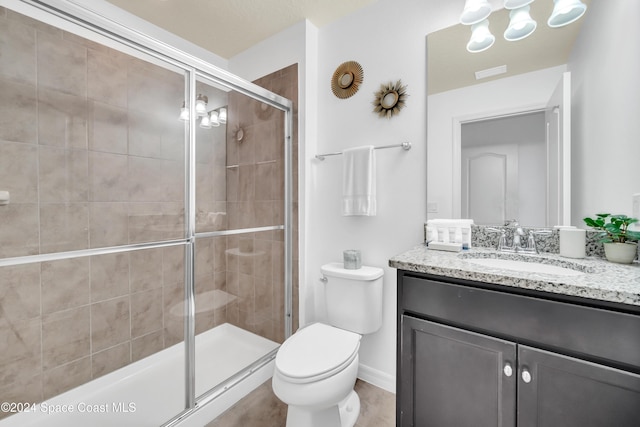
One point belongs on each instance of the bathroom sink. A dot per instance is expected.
(527, 264)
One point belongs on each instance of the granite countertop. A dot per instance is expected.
(601, 279)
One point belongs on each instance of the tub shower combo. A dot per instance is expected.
(146, 227)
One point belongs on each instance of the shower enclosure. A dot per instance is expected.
(146, 240)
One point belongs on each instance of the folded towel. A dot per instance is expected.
(359, 181)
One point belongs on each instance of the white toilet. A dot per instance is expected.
(316, 367)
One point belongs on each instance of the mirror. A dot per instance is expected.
(592, 54)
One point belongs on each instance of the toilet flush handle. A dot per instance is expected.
(324, 279)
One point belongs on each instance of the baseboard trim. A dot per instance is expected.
(377, 378)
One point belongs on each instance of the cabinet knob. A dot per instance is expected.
(526, 376)
(508, 370)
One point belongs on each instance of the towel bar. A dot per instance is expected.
(405, 146)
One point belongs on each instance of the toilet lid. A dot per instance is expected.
(316, 351)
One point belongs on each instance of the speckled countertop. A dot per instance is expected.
(600, 279)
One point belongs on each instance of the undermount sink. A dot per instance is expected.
(526, 264)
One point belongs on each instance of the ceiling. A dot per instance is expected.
(228, 27)
(452, 67)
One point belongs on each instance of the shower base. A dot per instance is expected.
(149, 392)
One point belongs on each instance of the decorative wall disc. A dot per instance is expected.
(347, 79)
(390, 99)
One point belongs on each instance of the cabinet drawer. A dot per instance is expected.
(598, 334)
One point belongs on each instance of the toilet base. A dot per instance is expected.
(349, 409)
(345, 414)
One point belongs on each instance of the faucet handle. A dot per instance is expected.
(511, 223)
(502, 241)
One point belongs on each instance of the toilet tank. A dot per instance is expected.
(353, 298)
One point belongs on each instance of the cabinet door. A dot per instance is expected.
(556, 390)
(451, 377)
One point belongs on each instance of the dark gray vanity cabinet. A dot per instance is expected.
(473, 354)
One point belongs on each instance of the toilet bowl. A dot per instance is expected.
(315, 373)
(316, 368)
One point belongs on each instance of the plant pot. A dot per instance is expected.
(622, 253)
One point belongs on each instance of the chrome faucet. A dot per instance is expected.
(518, 244)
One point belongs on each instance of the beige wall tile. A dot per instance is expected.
(63, 175)
(109, 276)
(62, 119)
(17, 61)
(108, 224)
(146, 269)
(19, 171)
(107, 77)
(18, 108)
(27, 390)
(147, 345)
(65, 284)
(145, 133)
(20, 292)
(108, 128)
(173, 264)
(146, 312)
(110, 359)
(108, 175)
(20, 357)
(62, 65)
(19, 229)
(65, 337)
(63, 227)
(66, 377)
(110, 323)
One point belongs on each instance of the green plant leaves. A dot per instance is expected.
(616, 230)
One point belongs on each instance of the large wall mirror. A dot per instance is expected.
(520, 144)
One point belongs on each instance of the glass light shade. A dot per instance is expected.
(475, 11)
(215, 119)
(222, 115)
(516, 4)
(184, 113)
(201, 105)
(481, 37)
(520, 24)
(565, 12)
(205, 122)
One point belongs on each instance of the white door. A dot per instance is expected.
(490, 183)
(558, 118)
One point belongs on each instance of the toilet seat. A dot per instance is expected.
(316, 352)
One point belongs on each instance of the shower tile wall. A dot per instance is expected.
(93, 155)
(255, 198)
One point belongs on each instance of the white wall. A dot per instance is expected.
(605, 66)
(388, 39)
(515, 93)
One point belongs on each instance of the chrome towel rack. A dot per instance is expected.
(405, 146)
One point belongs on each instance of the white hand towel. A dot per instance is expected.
(359, 181)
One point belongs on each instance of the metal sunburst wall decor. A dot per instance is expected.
(346, 80)
(390, 99)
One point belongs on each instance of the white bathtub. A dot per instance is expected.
(150, 392)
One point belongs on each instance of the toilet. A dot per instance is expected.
(316, 368)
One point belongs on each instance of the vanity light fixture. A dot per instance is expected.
(205, 122)
(184, 113)
(520, 24)
(201, 105)
(475, 11)
(222, 115)
(565, 12)
(214, 117)
(516, 4)
(481, 37)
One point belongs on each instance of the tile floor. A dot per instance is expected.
(262, 408)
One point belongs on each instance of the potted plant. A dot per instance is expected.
(620, 243)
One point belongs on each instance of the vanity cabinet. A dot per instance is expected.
(474, 354)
